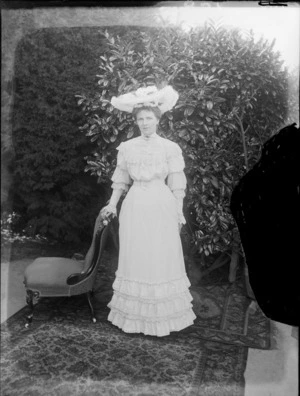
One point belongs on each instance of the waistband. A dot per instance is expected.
(148, 183)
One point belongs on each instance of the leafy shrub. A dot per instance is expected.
(9, 222)
(233, 95)
(293, 99)
(51, 191)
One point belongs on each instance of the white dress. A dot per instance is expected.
(151, 289)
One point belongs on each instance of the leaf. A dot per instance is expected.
(122, 126)
(211, 81)
(189, 111)
(214, 182)
(130, 133)
(219, 100)
(209, 105)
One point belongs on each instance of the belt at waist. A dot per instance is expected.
(148, 183)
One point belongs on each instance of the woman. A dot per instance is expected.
(151, 294)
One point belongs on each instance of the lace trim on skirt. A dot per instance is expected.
(147, 290)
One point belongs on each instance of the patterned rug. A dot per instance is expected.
(224, 315)
(60, 356)
(64, 354)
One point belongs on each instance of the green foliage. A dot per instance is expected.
(233, 95)
(293, 99)
(8, 235)
(232, 90)
(52, 193)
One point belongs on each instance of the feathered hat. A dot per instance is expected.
(165, 99)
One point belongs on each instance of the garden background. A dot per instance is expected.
(59, 133)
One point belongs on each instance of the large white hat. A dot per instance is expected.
(165, 99)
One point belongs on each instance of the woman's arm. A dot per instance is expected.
(177, 184)
(111, 208)
(176, 178)
(179, 195)
(121, 182)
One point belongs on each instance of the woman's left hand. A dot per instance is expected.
(181, 220)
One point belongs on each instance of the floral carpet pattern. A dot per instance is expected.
(222, 317)
(59, 358)
(64, 353)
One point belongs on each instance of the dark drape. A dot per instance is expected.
(265, 204)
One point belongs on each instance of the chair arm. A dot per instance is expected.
(76, 278)
(78, 257)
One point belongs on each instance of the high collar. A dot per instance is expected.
(150, 138)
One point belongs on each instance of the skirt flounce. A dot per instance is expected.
(136, 288)
(152, 309)
(151, 326)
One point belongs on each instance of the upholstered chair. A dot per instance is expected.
(59, 276)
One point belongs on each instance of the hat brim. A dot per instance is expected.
(165, 99)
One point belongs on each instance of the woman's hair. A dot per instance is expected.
(154, 110)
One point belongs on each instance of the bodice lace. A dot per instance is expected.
(145, 159)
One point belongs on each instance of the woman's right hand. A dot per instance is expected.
(108, 212)
(105, 215)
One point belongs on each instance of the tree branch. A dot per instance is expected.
(239, 119)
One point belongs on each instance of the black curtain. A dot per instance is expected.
(266, 206)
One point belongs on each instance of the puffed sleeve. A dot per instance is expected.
(121, 178)
(176, 178)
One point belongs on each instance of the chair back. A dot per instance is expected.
(93, 256)
(99, 246)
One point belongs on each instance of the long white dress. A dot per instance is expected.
(151, 289)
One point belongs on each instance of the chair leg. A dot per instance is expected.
(94, 320)
(30, 297)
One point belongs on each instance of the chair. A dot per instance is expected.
(58, 276)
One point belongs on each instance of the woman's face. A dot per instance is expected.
(147, 122)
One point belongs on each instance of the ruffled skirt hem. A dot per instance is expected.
(159, 327)
(153, 309)
(151, 290)
(158, 309)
